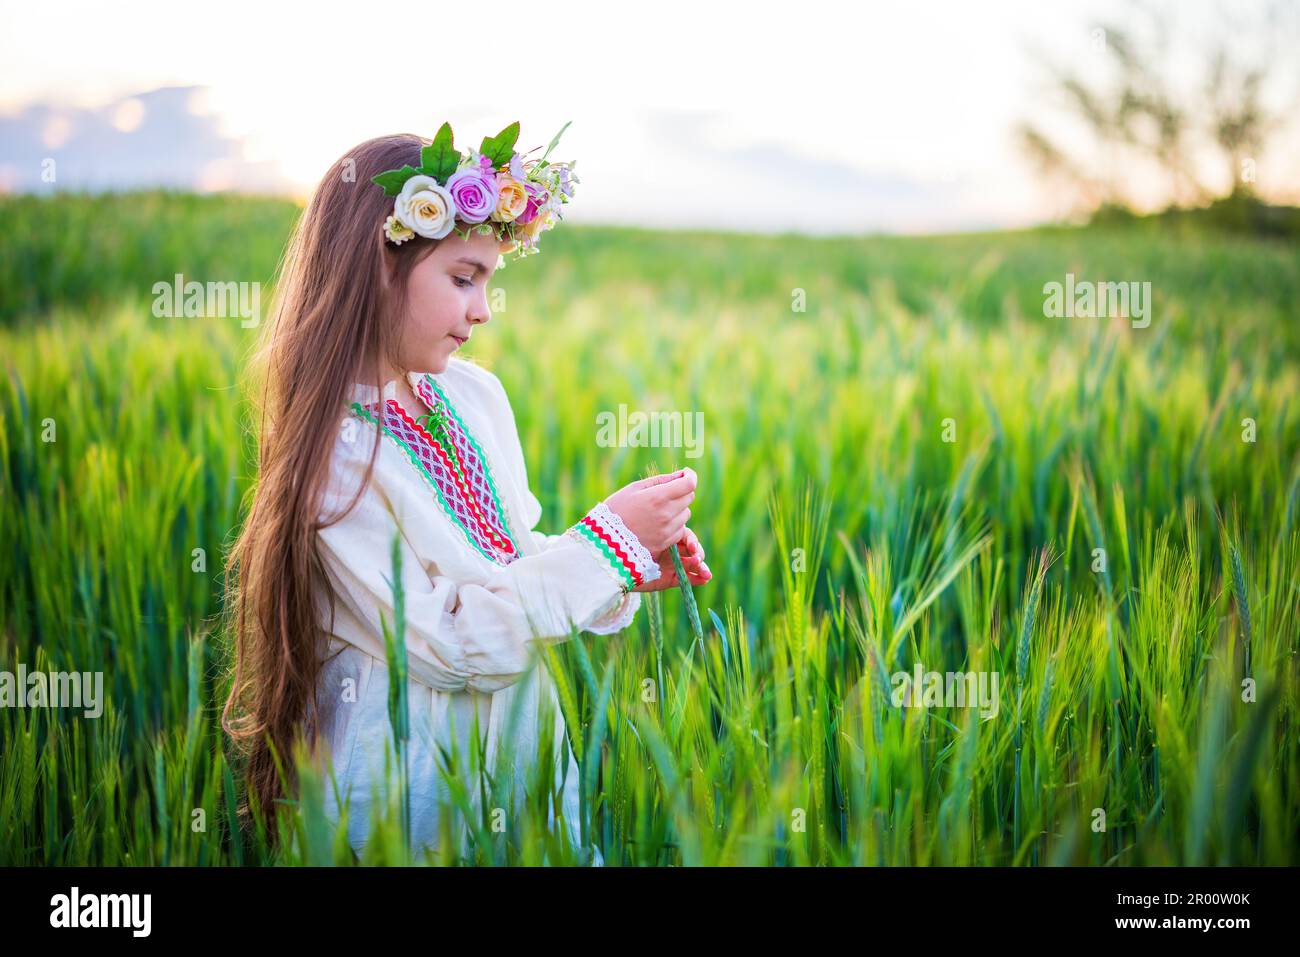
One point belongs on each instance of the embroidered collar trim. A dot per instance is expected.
(452, 463)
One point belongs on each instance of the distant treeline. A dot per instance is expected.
(1240, 212)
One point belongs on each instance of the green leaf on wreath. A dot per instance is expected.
(501, 147)
(394, 179)
(440, 159)
(554, 142)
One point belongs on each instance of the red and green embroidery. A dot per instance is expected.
(602, 530)
(462, 437)
(453, 464)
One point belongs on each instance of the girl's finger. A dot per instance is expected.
(653, 480)
(679, 490)
(689, 547)
(695, 546)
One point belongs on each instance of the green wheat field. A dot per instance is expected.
(916, 467)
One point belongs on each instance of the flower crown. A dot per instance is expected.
(491, 190)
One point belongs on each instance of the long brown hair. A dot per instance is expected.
(333, 319)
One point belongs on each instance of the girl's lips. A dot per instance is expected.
(459, 341)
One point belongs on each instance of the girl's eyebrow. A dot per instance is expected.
(478, 266)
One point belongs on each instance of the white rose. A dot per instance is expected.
(425, 207)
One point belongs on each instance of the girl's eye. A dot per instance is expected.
(463, 282)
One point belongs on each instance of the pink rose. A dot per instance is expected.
(537, 197)
(475, 191)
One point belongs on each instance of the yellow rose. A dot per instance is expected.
(512, 200)
(543, 221)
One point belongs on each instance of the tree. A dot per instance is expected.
(1139, 128)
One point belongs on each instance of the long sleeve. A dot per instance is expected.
(467, 630)
(621, 615)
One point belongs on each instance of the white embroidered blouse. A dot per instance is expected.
(482, 589)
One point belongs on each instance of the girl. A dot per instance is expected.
(372, 428)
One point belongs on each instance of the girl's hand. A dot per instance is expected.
(692, 555)
(655, 509)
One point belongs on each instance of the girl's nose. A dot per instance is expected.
(480, 313)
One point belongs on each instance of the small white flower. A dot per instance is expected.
(396, 232)
(425, 207)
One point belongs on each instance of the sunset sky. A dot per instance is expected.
(748, 116)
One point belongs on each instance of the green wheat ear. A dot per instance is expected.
(688, 593)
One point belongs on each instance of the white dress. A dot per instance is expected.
(482, 591)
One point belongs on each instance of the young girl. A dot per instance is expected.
(373, 428)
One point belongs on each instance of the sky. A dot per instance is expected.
(812, 116)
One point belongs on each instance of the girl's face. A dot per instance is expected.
(446, 298)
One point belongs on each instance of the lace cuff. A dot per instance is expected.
(620, 551)
(619, 617)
